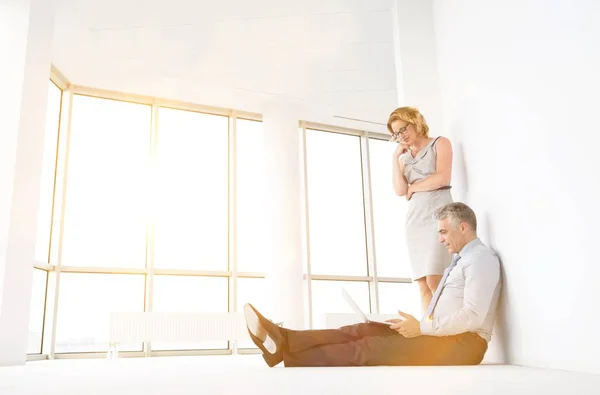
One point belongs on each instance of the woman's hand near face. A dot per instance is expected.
(401, 149)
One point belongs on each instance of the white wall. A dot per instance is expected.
(25, 41)
(284, 270)
(332, 56)
(418, 85)
(13, 41)
(519, 82)
(415, 59)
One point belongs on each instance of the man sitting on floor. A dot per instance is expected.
(455, 330)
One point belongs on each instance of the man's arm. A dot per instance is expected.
(482, 274)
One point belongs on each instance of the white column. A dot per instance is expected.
(26, 28)
(284, 283)
(417, 80)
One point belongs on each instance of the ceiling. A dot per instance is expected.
(331, 57)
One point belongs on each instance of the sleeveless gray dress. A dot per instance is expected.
(427, 255)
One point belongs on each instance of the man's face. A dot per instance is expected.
(453, 237)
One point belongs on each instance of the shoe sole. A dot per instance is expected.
(253, 323)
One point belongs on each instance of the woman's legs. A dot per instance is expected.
(427, 287)
(433, 282)
(424, 293)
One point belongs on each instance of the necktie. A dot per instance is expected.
(438, 291)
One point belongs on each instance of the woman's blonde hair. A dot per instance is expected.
(410, 115)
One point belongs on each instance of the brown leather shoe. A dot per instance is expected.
(265, 334)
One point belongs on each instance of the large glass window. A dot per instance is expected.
(181, 294)
(399, 296)
(251, 241)
(337, 215)
(335, 204)
(327, 298)
(106, 202)
(389, 214)
(84, 306)
(153, 199)
(192, 191)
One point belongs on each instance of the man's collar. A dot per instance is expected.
(469, 246)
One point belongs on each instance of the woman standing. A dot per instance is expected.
(421, 171)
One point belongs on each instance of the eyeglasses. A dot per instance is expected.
(396, 135)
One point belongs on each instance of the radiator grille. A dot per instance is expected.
(176, 327)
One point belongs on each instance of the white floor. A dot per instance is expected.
(247, 374)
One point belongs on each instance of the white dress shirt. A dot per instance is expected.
(469, 299)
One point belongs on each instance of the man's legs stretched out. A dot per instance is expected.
(297, 341)
(390, 350)
(274, 340)
(359, 345)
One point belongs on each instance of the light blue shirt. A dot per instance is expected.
(469, 299)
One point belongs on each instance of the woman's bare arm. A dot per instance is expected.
(398, 179)
(443, 169)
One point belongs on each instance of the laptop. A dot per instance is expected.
(358, 311)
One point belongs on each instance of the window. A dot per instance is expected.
(180, 294)
(135, 188)
(399, 296)
(192, 191)
(335, 204)
(327, 298)
(251, 239)
(251, 290)
(389, 214)
(36, 311)
(84, 307)
(47, 178)
(337, 214)
(105, 212)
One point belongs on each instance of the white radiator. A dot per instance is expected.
(176, 327)
(196, 327)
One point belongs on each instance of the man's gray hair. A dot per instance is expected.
(458, 213)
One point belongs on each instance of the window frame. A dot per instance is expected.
(372, 278)
(55, 268)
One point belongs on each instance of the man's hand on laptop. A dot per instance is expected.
(408, 327)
